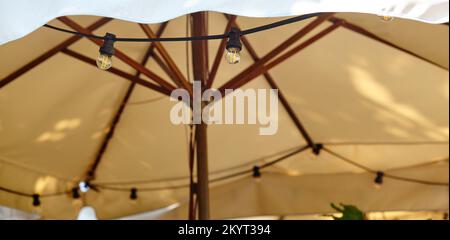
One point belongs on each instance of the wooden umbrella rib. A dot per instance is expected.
(237, 80)
(281, 96)
(90, 175)
(220, 51)
(360, 30)
(300, 47)
(120, 55)
(179, 78)
(50, 53)
(118, 72)
(156, 57)
(163, 66)
(283, 57)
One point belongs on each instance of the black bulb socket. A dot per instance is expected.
(75, 193)
(108, 45)
(234, 39)
(317, 148)
(256, 172)
(379, 178)
(36, 200)
(133, 194)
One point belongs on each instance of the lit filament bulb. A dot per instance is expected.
(234, 47)
(233, 55)
(387, 18)
(104, 60)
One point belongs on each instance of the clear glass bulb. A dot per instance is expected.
(387, 18)
(312, 156)
(377, 186)
(134, 202)
(257, 180)
(37, 210)
(104, 62)
(233, 55)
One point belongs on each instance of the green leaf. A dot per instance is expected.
(349, 212)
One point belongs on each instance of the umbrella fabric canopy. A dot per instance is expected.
(379, 101)
(23, 16)
(14, 214)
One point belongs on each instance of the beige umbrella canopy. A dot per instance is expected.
(374, 93)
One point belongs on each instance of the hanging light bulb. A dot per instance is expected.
(133, 195)
(87, 213)
(234, 46)
(104, 60)
(378, 179)
(75, 193)
(36, 204)
(317, 149)
(83, 186)
(257, 174)
(386, 18)
(77, 202)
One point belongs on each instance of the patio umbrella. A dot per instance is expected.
(361, 99)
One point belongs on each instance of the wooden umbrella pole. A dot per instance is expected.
(192, 184)
(201, 73)
(202, 172)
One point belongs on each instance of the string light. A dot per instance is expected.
(257, 173)
(315, 152)
(385, 15)
(75, 193)
(133, 194)
(84, 186)
(76, 202)
(387, 18)
(104, 60)
(36, 200)
(317, 148)
(195, 38)
(379, 179)
(36, 203)
(234, 46)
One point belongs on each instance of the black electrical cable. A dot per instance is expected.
(15, 192)
(386, 175)
(179, 178)
(172, 39)
(31, 195)
(407, 143)
(280, 23)
(193, 38)
(250, 171)
(134, 182)
(245, 172)
(233, 175)
(108, 187)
